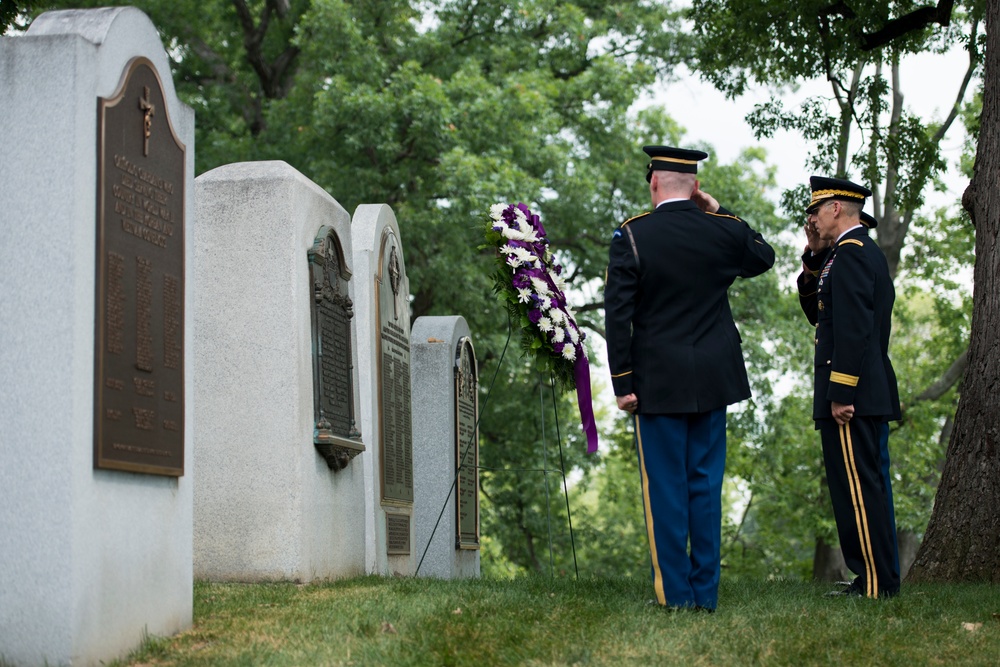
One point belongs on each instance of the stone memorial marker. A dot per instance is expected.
(382, 297)
(95, 415)
(279, 489)
(445, 386)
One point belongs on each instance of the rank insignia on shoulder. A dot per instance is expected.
(821, 306)
(618, 233)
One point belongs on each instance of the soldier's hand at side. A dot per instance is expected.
(703, 200)
(842, 412)
(628, 403)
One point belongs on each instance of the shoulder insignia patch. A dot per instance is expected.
(854, 241)
(635, 217)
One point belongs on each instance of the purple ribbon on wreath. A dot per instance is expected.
(581, 373)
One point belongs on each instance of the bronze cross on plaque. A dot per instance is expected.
(148, 109)
(394, 275)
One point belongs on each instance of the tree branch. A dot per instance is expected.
(918, 19)
(947, 380)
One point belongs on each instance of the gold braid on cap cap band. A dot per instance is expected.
(674, 159)
(826, 194)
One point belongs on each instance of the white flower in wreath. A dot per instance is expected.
(574, 335)
(569, 353)
(524, 255)
(557, 316)
(544, 304)
(545, 324)
(559, 335)
(541, 287)
(496, 211)
(524, 295)
(513, 234)
(513, 262)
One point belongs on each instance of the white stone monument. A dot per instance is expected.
(445, 384)
(277, 495)
(95, 409)
(383, 312)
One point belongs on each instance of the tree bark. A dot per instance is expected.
(828, 563)
(962, 542)
(909, 544)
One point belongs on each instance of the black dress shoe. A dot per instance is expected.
(854, 589)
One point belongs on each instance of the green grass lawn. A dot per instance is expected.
(544, 621)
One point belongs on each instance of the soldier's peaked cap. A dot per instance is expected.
(668, 158)
(824, 189)
(868, 221)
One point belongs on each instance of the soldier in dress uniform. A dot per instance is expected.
(676, 363)
(845, 291)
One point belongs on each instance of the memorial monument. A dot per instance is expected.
(445, 382)
(279, 486)
(95, 340)
(382, 298)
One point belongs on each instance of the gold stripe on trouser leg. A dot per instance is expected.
(860, 515)
(657, 577)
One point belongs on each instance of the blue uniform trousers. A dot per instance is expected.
(681, 460)
(883, 449)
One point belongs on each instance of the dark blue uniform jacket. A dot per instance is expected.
(852, 364)
(670, 332)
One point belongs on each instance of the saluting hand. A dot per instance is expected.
(815, 243)
(703, 200)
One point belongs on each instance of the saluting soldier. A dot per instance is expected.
(846, 292)
(676, 363)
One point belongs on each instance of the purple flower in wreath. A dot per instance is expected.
(520, 280)
(534, 315)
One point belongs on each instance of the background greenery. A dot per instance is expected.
(441, 108)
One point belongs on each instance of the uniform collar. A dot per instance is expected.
(850, 232)
(675, 205)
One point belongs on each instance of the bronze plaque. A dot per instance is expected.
(397, 534)
(467, 444)
(335, 435)
(394, 373)
(139, 356)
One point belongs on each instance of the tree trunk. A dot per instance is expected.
(962, 542)
(828, 563)
(909, 544)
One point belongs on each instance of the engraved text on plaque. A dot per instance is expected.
(394, 374)
(467, 444)
(139, 355)
(335, 435)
